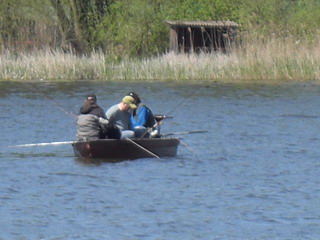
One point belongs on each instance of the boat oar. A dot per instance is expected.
(143, 148)
(43, 144)
(182, 133)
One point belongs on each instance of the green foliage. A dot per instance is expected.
(306, 19)
(91, 13)
(12, 20)
(202, 9)
(26, 24)
(281, 17)
(134, 28)
(137, 27)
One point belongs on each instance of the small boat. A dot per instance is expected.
(114, 150)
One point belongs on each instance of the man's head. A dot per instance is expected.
(135, 96)
(92, 98)
(129, 102)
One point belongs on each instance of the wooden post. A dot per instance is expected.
(211, 41)
(174, 40)
(191, 40)
(203, 41)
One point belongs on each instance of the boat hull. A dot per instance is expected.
(126, 149)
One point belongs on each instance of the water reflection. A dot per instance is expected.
(97, 161)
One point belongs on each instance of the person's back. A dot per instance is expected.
(143, 116)
(92, 123)
(88, 127)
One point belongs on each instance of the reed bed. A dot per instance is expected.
(265, 60)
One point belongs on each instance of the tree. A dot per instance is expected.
(137, 27)
(134, 28)
(16, 23)
(78, 20)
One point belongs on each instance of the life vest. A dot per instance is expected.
(150, 122)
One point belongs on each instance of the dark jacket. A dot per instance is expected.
(88, 127)
(93, 109)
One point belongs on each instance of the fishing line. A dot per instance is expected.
(184, 101)
(187, 146)
(34, 89)
(52, 101)
(179, 105)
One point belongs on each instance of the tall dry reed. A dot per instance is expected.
(259, 60)
(47, 65)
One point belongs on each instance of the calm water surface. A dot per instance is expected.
(254, 175)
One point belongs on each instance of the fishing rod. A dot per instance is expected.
(70, 114)
(55, 103)
(183, 133)
(183, 101)
(42, 144)
(178, 106)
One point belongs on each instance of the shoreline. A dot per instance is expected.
(195, 82)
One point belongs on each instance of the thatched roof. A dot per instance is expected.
(203, 23)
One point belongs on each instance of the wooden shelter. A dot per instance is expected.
(201, 36)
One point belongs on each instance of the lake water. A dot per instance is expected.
(254, 175)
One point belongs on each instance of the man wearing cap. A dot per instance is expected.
(119, 114)
(142, 118)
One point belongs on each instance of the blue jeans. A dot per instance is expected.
(140, 132)
(127, 134)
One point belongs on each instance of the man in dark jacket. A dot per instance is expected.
(92, 123)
